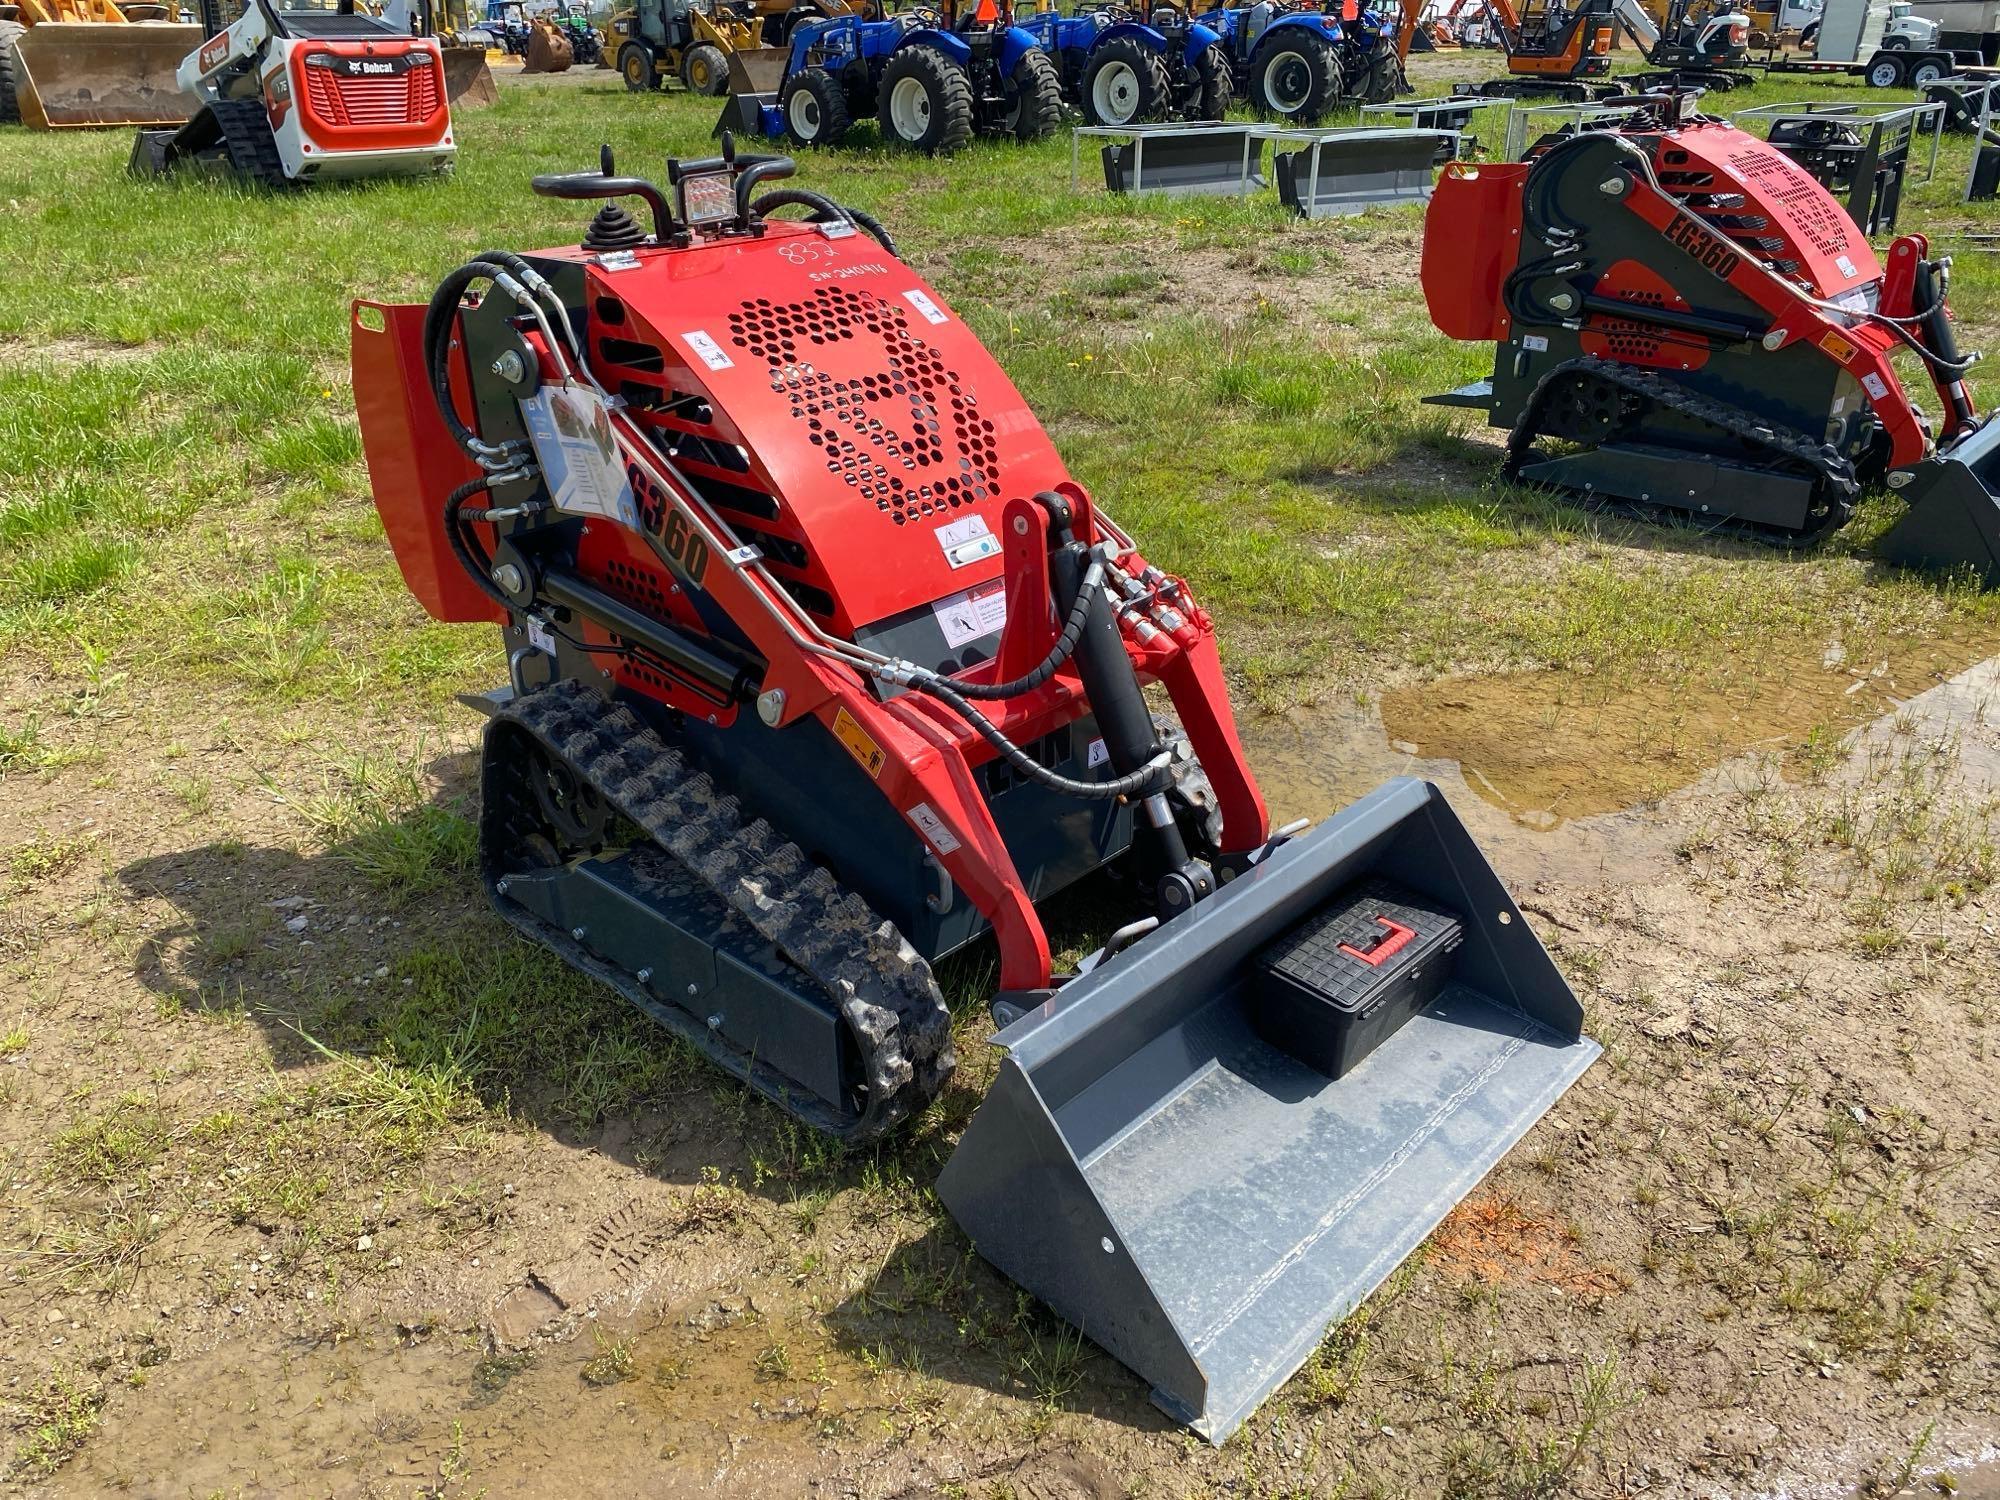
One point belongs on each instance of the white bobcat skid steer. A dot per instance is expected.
(290, 96)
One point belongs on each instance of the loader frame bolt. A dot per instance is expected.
(644, 976)
(715, 1022)
(578, 932)
(1775, 339)
(771, 706)
(509, 367)
(509, 577)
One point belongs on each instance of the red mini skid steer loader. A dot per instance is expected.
(1706, 334)
(821, 667)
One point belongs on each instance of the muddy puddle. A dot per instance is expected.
(1555, 772)
(713, 1402)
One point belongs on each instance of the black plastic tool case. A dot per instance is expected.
(1342, 982)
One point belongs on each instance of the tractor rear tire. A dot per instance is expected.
(635, 65)
(1037, 93)
(1126, 84)
(705, 70)
(10, 102)
(1214, 87)
(1385, 77)
(1295, 75)
(815, 109)
(925, 102)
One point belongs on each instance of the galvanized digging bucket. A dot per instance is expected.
(1954, 515)
(83, 74)
(1185, 159)
(1205, 1205)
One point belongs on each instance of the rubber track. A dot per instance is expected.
(873, 978)
(1836, 474)
(247, 141)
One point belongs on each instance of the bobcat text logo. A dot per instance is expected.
(1707, 250)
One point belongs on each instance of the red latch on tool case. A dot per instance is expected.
(1385, 947)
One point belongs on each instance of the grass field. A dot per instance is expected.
(287, 1117)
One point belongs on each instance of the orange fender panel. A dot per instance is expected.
(412, 461)
(1472, 240)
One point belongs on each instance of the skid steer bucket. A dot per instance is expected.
(78, 74)
(757, 70)
(1337, 174)
(1164, 1159)
(1185, 159)
(1954, 515)
(468, 81)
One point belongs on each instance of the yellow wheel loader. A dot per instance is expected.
(82, 63)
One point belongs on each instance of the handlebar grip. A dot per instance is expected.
(761, 169)
(585, 186)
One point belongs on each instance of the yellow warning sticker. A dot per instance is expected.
(859, 745)
(1837, 346)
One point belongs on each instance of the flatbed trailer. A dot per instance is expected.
(1885, 68)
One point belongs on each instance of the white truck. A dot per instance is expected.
(1963, 26)
(1883, 41)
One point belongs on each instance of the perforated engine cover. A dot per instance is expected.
(1757, 196)
(854, 428)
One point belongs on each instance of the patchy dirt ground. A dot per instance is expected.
(1754, 1251)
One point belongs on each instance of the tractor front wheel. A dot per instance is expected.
(925, 102)
(705, 70)
(1125, 84)
(1034, 107)
(1294, 75)
(815, 109)
(635, 65)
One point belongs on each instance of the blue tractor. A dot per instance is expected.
(928, 82)
(1125, 67)
(1371, 69)
(1285, 55)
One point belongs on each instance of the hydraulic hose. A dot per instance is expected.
(438, 318)
(1060, 652)
(824, 211)
(465, 546)
(1027, 765)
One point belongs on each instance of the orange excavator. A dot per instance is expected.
(1552, 48)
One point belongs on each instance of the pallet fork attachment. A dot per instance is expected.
(1201, 1203)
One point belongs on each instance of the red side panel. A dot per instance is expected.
(882, 437)
(412, 461)
(1636, 343)
(1472, 240)
(1792, 221)
(371, 96)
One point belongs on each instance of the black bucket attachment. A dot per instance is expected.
(1343, 174)
(1184, 160)
(743, 115)
(1954, 518)
(1168, 1159)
